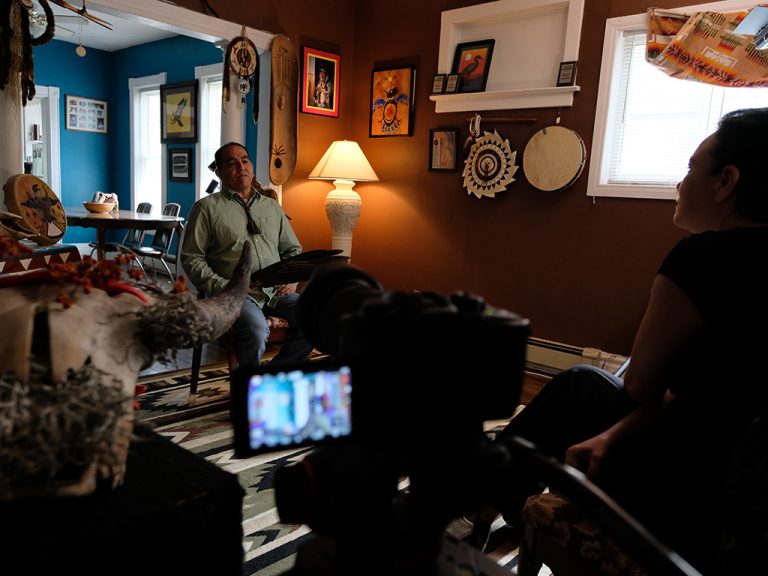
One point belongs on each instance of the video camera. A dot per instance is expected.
(422, 372)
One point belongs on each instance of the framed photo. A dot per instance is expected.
(392, 96)
(472, 62)
(180, 164)
(442, 149)
(452, 84)
(438, 84)
(320, 82)
(178, 112)
(86, 114)
(566, 76)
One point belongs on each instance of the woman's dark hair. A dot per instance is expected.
(740, 141)
(217, 155)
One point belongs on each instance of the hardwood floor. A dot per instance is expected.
(532, 384)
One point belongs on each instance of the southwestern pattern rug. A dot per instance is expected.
(200, 423)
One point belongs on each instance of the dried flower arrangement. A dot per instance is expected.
(57, 435)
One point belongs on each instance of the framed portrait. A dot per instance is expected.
(438, 84)
(180, 164)
(392, 99)
(320, 82)
(452, 83)
(178, 112)
(443, 149)
(472, 62)
(566, 75)
(86, 114)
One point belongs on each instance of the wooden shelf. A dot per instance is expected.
(532, 38)
(505, 99)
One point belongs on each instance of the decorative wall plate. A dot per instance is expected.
(490, 165)
(554, 158)
(242, 59)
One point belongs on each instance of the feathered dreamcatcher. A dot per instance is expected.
(16, 42)
(242, 59)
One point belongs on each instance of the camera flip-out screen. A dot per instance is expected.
(280, 408)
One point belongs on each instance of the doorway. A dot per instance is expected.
(40, 128)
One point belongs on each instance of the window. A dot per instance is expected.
(647, 111)
(210, 82)
(147, 152)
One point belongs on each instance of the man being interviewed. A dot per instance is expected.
(218, 228)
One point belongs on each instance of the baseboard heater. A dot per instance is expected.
(547, 358)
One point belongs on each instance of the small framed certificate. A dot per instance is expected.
(438, 84)
(452, 84)
(566, 76)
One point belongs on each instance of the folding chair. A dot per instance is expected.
(161, 243)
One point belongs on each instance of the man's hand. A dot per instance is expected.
(283, 289)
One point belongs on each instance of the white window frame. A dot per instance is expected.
(610, 71)
(134, 85)
(204, 176)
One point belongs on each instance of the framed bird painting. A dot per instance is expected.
(392, 96)
(472, 62)
(178, 112)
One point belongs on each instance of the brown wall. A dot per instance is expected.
(579, 269)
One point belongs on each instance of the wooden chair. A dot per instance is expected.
(226, 343)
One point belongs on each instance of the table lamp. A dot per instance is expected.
(345, 164)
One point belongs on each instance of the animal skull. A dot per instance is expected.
(100, 340)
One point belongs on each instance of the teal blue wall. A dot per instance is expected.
(91, 161)
(85, 156)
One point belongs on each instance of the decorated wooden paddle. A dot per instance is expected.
(285, 83)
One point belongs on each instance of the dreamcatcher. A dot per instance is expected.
(490, 165)
(242, 59)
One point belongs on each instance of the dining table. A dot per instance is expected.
(120, 219)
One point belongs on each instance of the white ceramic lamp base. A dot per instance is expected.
(342, 206)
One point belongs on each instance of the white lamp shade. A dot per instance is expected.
(344, 160)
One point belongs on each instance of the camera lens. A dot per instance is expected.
(331, 294)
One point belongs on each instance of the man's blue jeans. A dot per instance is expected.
(251, 332)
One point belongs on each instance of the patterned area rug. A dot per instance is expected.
(201, 424)
(167, 398)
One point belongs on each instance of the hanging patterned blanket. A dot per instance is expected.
(703, 47)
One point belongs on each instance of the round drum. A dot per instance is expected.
(40, 209)
(554, 158)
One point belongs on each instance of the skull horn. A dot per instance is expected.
(222, 310)
(181, 321)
